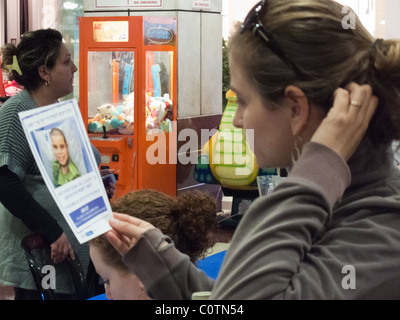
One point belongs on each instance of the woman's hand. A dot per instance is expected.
(346, 123)
(126, 232)
(61, 248)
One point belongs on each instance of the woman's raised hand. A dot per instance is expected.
(126, 231)
(347, 121)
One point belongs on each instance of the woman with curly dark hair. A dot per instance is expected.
(188, 220)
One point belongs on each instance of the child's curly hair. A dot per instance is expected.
(189, 220)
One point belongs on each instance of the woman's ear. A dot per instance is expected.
(43, 73)
(299, 108)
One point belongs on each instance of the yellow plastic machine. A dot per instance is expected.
(227, 159)
(233, 162)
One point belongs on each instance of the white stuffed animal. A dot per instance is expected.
(106, 111)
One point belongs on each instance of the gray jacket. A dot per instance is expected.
(329, 231)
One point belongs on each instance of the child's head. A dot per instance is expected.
(189, 220)
(60, 146)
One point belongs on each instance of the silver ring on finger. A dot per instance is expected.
(355, 103)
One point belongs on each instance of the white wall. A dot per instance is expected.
(13, 28)
(234, 11)
(390, 21)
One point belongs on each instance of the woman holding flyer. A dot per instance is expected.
(42, 64)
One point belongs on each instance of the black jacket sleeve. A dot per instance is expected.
(20, 203)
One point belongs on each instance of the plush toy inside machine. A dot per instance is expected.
(112, 110)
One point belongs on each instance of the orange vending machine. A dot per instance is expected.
(127, 96)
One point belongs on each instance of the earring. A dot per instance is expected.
(296, 152)
(47, 83)
(142, 293)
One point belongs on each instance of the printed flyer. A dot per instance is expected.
(62, 150)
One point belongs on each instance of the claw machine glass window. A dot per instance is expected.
(128, 95)
(159, 82)
(111, 92)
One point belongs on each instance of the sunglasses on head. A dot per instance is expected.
(253, 23)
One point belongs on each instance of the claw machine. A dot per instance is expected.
(127, 97)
